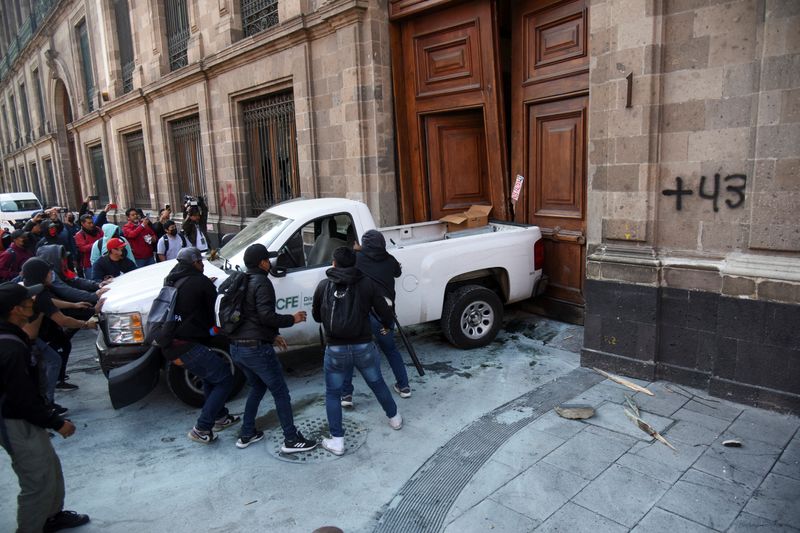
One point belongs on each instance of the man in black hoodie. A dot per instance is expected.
(380, 266)
(195, 308)
(342, 303)
(251, 348)
(25, 420)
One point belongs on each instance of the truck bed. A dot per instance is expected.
(426, 232)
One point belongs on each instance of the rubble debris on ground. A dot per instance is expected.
(574, 411)
(623, 381)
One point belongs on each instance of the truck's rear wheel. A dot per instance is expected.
(472, 316)
(188, 388)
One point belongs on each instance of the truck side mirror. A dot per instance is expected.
(275, 270)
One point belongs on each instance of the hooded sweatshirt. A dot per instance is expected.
(84, 241)
(194, 304)
(99, 248)
(11, 261)
(376, 263)
(369, 297)
(67, 287)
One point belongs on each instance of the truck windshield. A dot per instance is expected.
(263, 230)
(10, 206)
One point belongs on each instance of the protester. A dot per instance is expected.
(171, 242)
(12, 259)
(34, 230)
(342, 303)
(159, 226)
(25, 420)
(194, 225)
(140, 236)
(195, 307)
(115, 263)
(67, 285)
(380, 266)
(100, 248)
(98, 218)
(84, 239)
(251, 348)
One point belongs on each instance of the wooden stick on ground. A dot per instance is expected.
(647, 428)
(623, 381)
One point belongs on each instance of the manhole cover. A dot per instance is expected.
(317, 428)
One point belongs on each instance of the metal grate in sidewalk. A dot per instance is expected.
(423, 502)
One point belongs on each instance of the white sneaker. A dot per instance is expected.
(335, 445)
(396, 422)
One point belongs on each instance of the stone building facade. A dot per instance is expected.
(694, 188)
(287, 98)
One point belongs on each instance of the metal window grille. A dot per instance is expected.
(26, 114)
(177, 33)
(125, 41)
(86, 63)
(137, 168)
(188, 154)
(37, 187)
(271, 143)
(23, 180)
(258, 15)
(5, 127)
(39, 100)
(99, 173)
(12, 105)
(14, 184)
(49, 184)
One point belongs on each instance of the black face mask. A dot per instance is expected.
(172, 231)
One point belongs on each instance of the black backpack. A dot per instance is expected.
(162, 322)
(166, 241)
(341, 311)
(232, 295)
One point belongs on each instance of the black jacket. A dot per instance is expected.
(369, 295)
(189, 227)
(106, 267)
(261, 322)
(378, 264)
(18, 382)
(195, 303)
(71, 290)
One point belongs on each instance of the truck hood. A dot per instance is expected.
(136, 290)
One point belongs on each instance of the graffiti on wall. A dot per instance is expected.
(711, 190)
(227, 199)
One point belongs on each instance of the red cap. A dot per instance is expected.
(114, 244)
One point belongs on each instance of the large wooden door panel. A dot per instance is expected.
(458, 170)
(448, 61)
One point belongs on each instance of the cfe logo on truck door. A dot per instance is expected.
(293, 302)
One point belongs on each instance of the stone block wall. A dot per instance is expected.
(693, 191)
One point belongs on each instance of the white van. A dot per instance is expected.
(17, 208)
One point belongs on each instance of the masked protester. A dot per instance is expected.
(171, 242)
(12, 259)
(84, 239)
(100, 247)
(115, 263)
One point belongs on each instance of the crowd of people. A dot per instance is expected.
(47, 296)
(54, 270)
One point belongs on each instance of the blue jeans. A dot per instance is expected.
(51, 363)
(389, 348)
(263, 371)
(217, 383)
(145, 262)
(339, 363)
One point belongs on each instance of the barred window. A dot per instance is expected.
(188, 156)
(258, 15)
(26, 114)
(49, 184)
(86, 63)
(125, 42)
(177, 33)
(36, 185)
(99, 173)
(12, 105)
(37, 80)
(271, 146)
(137, 169)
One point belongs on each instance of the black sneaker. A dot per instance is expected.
(63, 385)
(298, 444)
(347, 400)
(244, 442)
(59, 409)
(65, 520)
(226, 422)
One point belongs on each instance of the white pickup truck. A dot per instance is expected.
(461, 278)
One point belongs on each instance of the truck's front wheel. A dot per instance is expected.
(472, 316)
(188, 388)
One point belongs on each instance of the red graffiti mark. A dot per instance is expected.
(227, 200)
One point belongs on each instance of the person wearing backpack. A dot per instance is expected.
(342, 303)
(380, 266)
(171, 242)
(251, 348)
(194, 312)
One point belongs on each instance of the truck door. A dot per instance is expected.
(306, 255)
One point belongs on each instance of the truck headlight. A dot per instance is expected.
(125, 328)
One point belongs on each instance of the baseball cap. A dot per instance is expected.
(16, 234)
(13, 294)
(256, 253)
(189, 255)
(114, 244)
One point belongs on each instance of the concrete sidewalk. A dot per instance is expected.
(480, 450)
